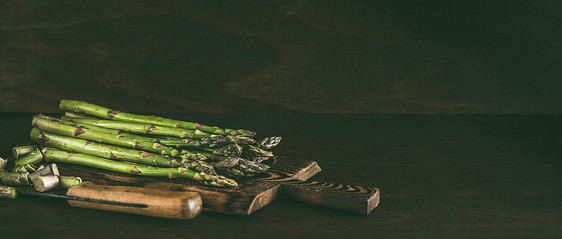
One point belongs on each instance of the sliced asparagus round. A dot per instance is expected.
(20, 151)
(68, 181)
(46, 183)
(8, 192)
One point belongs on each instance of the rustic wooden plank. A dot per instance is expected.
(287, 177)
(356, 199)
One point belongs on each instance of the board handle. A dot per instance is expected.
(355, 199)
(159, 203)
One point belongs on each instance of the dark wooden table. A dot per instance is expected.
(442, 176)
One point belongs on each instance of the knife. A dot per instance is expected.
(126, 199)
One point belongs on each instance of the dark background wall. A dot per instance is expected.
(283, 56)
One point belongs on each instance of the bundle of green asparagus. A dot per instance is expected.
(95, 136)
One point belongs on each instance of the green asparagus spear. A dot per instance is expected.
(59, 156)
(205, 138)
(213, 141)
(105, 113)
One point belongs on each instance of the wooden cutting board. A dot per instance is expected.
(287, 178)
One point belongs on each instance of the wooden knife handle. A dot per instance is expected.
(159, 203)
(356, 199)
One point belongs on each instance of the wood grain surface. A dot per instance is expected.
(283, 56)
